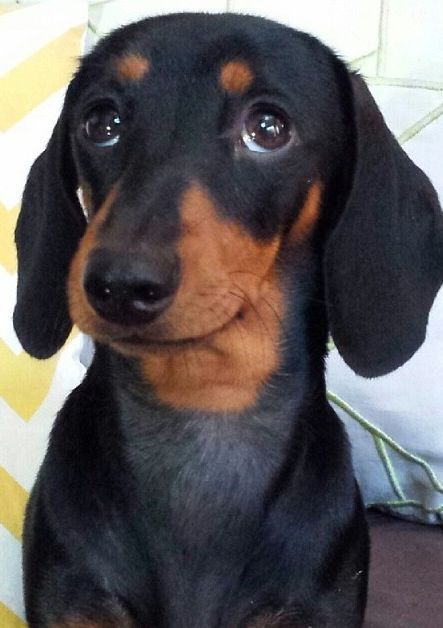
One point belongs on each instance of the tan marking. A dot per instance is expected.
(308, 216)
(81, 311)
(230, 301)
(226, 371)
(132, 67)
(236, 76)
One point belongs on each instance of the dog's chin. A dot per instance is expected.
(138, 344)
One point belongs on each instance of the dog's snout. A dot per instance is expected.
(129, 289)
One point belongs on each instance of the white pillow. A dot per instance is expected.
(395, 425)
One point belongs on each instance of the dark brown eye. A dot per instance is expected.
(265, 130)
(102, 125)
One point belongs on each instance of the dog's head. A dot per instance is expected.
(205, 148)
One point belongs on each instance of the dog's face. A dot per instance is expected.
(199, 171)
(199, 163)
(207, 150)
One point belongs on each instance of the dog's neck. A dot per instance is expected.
(209, 471)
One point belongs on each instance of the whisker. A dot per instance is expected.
(274, 311)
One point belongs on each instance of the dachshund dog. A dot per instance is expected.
(218, 194)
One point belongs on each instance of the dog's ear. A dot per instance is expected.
(384, 259)
(49, 227)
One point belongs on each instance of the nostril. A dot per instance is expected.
(100, 291)
(145, 294)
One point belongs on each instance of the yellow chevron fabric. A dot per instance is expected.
(40, 46)
(9, 619)
(8, 218)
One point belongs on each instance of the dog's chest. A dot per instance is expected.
(196, 481)
(204, 477)
(193, 512)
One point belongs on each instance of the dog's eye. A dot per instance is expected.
(102, 125)
(265, 130)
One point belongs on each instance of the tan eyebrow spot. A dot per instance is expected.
(236, 76)
(309, 214)
(132, 67)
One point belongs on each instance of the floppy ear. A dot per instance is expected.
(384, 259)
(49, 227)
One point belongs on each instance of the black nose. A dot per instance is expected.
(129, 288)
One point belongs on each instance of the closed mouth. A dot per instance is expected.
(139, 341)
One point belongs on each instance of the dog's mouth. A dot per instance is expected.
(134, 343)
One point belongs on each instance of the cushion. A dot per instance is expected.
(395, 424)
(40, 45)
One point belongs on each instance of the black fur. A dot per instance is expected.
(149, 516)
